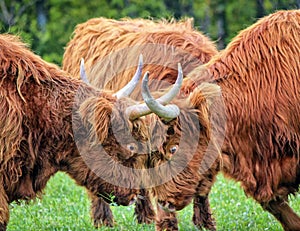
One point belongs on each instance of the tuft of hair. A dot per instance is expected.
(96, 114)
(205, 91)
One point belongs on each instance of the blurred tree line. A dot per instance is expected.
(47, 25)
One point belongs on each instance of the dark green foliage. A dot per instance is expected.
(48, 25)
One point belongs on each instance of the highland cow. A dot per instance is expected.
(258, 74)
(52, 122)
(191, 130)
(108, 46)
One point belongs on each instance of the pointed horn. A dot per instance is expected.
(167, 112)
(137, 111)
(140, 110)
(166, 98)
(83, 76)
(128, 89)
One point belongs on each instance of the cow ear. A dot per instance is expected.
(96, 115)
(205, 92)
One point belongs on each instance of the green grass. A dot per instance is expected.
(65, 206)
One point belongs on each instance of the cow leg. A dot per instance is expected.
(2, 227)
(202, 217)
(4, 210)
(101, 213)
(165, 220)
(144, 211)
(281, 210)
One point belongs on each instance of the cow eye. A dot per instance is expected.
(173, 149)
(132, 147)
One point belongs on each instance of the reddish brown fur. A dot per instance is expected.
(108, 46)
(40, 108)
(259, 76)
(188, 183)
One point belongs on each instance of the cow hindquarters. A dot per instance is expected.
(281, 210)
(4, 210)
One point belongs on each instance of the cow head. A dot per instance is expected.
(112, 123)
(189, 153)
(114, 135)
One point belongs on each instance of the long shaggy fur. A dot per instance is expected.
(111, 48)
(193, 180)
(40, 108)
(259, 76)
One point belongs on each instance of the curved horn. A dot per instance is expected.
(166, 98)
(168, 112)
(137, 111)
(128, 89)
(83, 76)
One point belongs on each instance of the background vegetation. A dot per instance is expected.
(47, 25)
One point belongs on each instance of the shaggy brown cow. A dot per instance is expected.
(109, 48)
(51, 122)
(259, 77)
(191, 130)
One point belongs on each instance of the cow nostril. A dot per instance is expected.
(171, 207)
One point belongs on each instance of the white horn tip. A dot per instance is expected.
(179, 67)
(141, 59)
(146, 76)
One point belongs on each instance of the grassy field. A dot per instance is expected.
(65, 206)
